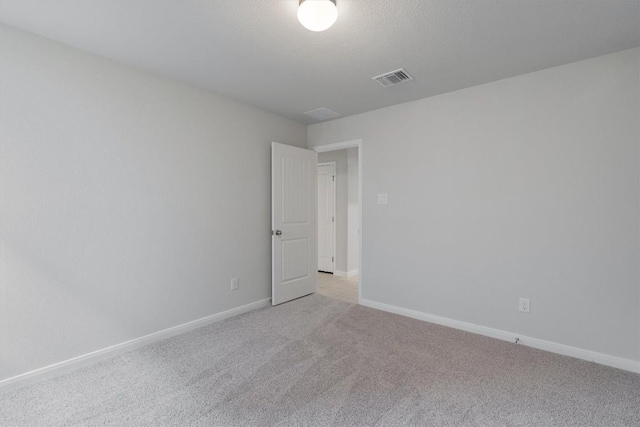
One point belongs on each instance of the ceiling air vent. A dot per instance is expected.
(393, 78)
(322, 114)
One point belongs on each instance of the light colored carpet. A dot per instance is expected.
(322, 362)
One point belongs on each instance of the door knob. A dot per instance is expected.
(278, 233)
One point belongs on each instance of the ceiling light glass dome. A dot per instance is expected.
(317, 15)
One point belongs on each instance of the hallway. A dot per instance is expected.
(342, 288)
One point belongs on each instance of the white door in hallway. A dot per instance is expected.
(326, 216)
(294, 227)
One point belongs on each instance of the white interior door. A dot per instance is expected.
(294, 232)
(326, 216)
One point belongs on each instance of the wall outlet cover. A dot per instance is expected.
(525, 305)
(383, 199)
(235, 284)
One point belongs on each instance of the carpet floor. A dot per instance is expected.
(318, 361)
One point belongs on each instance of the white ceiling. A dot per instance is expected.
(255, 51)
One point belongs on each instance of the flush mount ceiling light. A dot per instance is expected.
(317, 15)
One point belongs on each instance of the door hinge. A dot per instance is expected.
(333, 177)
(333, 219)
(331, 259)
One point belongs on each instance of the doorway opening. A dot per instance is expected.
(339, 221)
(327, 212)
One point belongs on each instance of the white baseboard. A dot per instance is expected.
(86, 359)
(565, 350)
(353, 273)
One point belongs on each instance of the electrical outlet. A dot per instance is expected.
(235, 284)
(383, 199)
(525, 305)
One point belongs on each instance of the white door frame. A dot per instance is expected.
(354, 143)
(335, 199)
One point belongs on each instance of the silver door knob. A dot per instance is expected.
(278, 233)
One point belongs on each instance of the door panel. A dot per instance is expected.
(294, 222)
(326, 217)
(295, 191)
(295, 259)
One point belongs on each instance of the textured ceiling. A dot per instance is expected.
(255, 51)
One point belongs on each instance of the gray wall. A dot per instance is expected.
(525, 187)
(128, 201)
(353, 241)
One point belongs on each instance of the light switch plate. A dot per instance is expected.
(382, 199)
